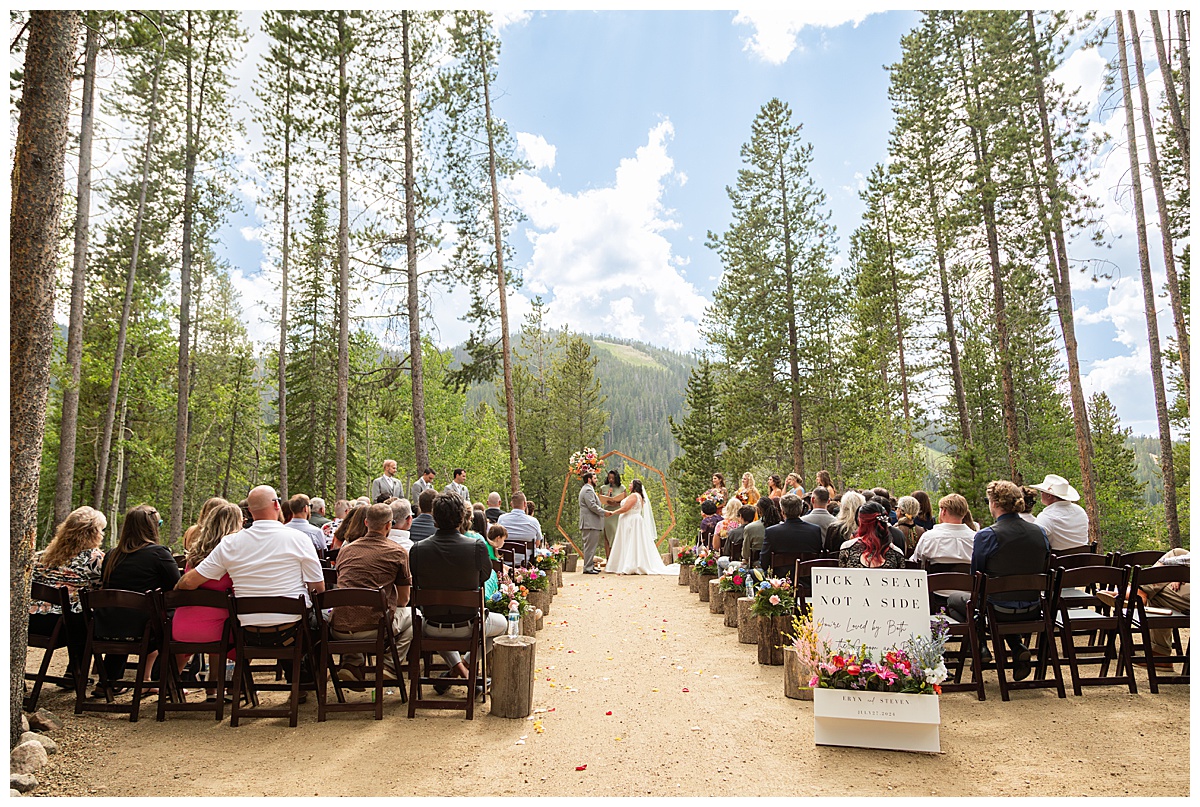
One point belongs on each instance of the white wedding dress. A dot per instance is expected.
(634, 548)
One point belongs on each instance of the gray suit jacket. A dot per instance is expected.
(591, 514)
(822, 519)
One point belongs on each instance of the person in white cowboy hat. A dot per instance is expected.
(1065, 522)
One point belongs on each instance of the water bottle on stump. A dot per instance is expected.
(514, 618)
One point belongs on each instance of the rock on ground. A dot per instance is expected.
(28, 757)
(50, 746)
(13, 793)
(43, 720)
(22, 782)
(24, 722)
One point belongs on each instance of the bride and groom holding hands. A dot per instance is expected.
(634, 540)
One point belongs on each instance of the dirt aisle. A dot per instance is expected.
(692, 714)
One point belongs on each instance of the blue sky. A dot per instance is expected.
(633, 122)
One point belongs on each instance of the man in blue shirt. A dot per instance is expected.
(1011, 546)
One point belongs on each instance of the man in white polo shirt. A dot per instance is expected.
(1065, 522)
(266, 559)
(520, 525)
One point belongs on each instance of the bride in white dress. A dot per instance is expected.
(635, 549)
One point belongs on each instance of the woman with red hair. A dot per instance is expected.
(872, 546)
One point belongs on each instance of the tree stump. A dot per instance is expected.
(672, 550)
(693, 579)
(771, 636)
(716, 599)
(529, 622)
(540, 622)
(703, 588)
(511, 663)
(747, 627)
(684, 574)
(558, 577)
(540, 599)
(569, 561)
(552, 582)
(795, 683)
(730, 606)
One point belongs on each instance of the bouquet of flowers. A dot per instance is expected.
(546, 559)
(734, 578)
(503, 596)
(713, 496)
(706, 562)
(532, 579)
(916, 667)
(774, 597)
(584, 461)
(687, 555)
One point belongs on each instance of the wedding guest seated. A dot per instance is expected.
(924, 516)
(871, 547)
(1175, 596)
(422, 524)
(301, 509)
(493, 511)
(791, 536)
(727, 523)
(137, 563)
(73, 561)
(353, 527)
(401, 520)
(1031, 500)
(820, 514)
(285, 511)
(519, 524)
(846, 525)
(1065, 522)
(736, 539)
(754, 528)
(907, 509)
(950, 540)
(1009, 547)
(373, 561)
(709, 520)
(195, 623)
(191, 532)
(448, 560)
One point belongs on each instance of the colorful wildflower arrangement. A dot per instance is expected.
(774, 596)
(584, 461)
(915, 667)
(546, 559)
(713, 496)
(687, 555)
(706, 562)
(505, 594)
(532, 579)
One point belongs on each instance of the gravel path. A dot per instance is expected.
(692, 714)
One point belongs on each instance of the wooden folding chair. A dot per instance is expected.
(291, 643)
(803, 578)
(423, 647)
(1041, 625)
(1086, 549)
(170, 677)
(1141, 619)
(786, 561)
(141, 646)
(963, 632)
(380, 647)
(1081, 598)
(180, 561)
(1082, 613)
(59, 636)
(522, 552)
(330, 574)
(947, 568)
(1143, 557)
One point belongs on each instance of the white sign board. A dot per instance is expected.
(878, 609)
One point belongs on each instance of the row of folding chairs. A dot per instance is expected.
(305, 657)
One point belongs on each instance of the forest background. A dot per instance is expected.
(894, 366)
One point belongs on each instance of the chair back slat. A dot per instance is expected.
(1017, 582)
(1144, 557)
(1076, 560)
(944, 568)
(199, 597)
(269, 605)
(55, 595)
(373, 598)
(949, 581)
(1150, 575)
(117, 598)
(1103, 576)
(1086, 549)
(424, 597)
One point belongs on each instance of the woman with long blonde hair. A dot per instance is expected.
(195, 623)
(846, 525)
(190, 533)
(73, 561)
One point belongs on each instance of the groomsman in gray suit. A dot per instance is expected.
(591, 522)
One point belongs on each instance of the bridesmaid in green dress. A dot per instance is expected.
(611, 494)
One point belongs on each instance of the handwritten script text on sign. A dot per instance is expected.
(873, 607)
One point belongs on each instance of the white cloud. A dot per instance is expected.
(777, 30)
(502, 18)
(600, 258)
(533, 147)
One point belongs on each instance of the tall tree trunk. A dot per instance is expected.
(1182, 134)
(984, 184)
(283, 290)
(37, 183)
(118, 359)
(69, 423)
(1164, 224)
(121, 485)
(1184, 19)
(887, 230)
(1166, 460)
(416, 360)
(514, 468)
(1060, 278)
(237, 392)
(343, 366)
(793, 339)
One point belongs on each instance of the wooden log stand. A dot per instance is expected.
(540, 599)
(747, 627)
(529, 622)
(552, 582)
(795, 683)
(702, 586)
(685, 574)
(730, 607)
(569, 561)
(771, 637)
(716, 599)
(511, 663)
(693, 579)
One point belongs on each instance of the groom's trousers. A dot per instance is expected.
(591, 542)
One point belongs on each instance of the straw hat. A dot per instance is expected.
(1055, 485)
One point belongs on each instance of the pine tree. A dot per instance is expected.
(699, 438)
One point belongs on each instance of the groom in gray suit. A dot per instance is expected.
(591, 522)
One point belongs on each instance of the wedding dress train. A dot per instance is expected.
(634, 549)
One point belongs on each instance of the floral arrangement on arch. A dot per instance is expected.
(706, 562)
(774, 596)
(917, 666)
(532, 579)
(585, 461)
(507, 593)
